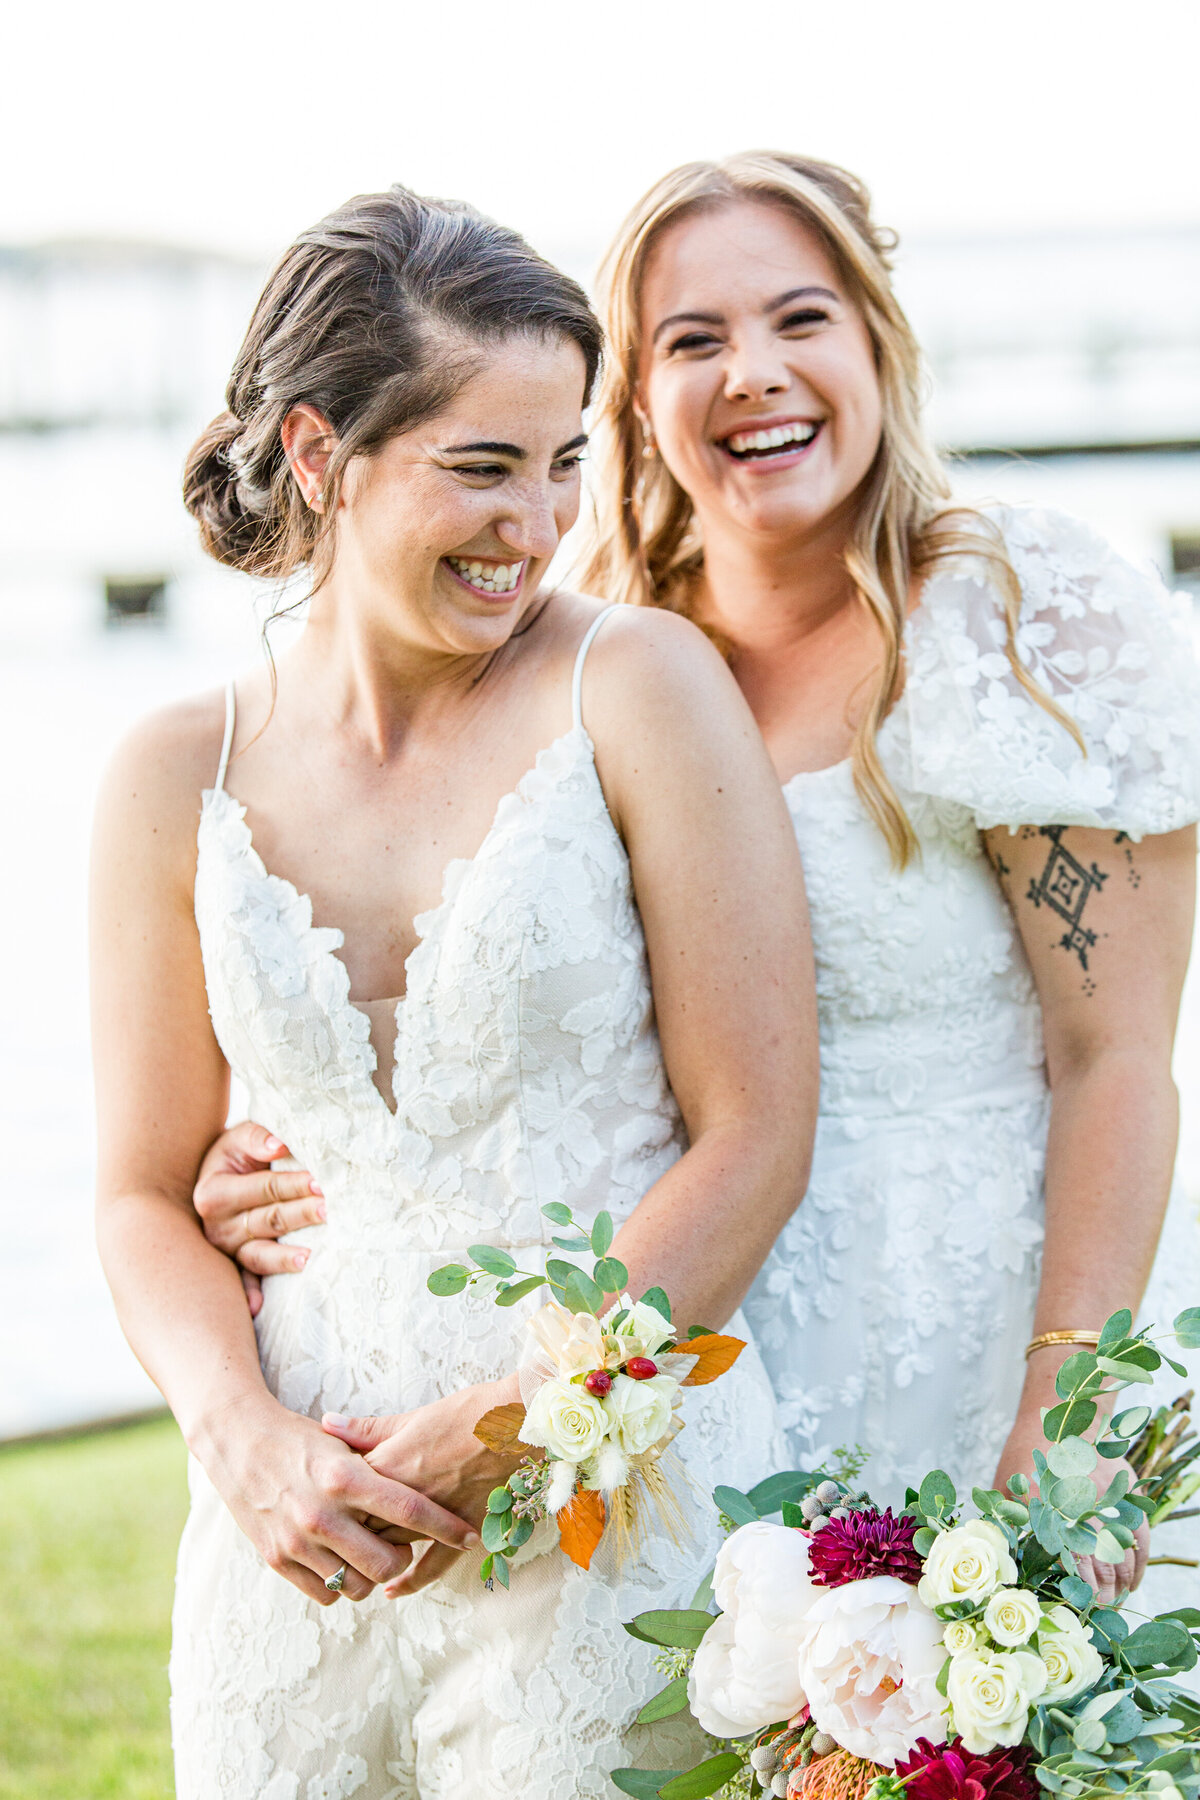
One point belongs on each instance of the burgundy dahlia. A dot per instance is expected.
(862, 1544)
(948, 1772)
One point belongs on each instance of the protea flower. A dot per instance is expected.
(863, 1544)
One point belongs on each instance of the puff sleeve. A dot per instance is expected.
(1104, 638)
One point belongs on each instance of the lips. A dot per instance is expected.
(769, 442)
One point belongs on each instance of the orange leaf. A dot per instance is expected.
(716, 1355)
(581, 1526)
(500, 1429)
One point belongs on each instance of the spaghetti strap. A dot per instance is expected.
(227, 740)
(577, 679)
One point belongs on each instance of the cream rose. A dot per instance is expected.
(1073, 1664)
(1012, 1615)
(573, 1342)
(745, 1673)
(638, 1413)
(869, 1659)
(961, 1635)
(968, 1562)
(643, 1331)
(991, 1693)
(566, 1420)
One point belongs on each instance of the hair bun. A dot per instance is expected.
(213, 493)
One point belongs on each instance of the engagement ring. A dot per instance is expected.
(337, 1581)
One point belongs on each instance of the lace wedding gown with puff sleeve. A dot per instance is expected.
(527, 1069)
(895, 1308)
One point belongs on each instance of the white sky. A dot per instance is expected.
(234, 123)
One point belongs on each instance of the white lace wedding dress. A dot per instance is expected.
(894, 1311)
(527, 1069)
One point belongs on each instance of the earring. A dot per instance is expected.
(649, 447)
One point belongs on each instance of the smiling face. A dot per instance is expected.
(757, 374)
(445, 532)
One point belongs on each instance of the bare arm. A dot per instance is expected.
(1107, 926)
(161, 1086)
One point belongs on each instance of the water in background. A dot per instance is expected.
(62, 1356)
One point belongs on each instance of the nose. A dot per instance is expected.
(754, 370)
(531, 527)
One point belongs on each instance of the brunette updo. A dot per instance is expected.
(372, 317)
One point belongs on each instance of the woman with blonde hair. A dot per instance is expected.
(987, 726)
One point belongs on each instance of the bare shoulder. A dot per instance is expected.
(150, 792)
(646, 662)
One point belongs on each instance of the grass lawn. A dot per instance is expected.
(88, 1533)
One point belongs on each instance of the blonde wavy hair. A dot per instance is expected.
(646, 547)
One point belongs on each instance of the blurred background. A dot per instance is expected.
(1040, 163)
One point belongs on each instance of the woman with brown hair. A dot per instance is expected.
(986, 724)
(410, 892)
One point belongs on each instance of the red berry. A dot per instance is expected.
(598, 1382)
(640, 1368)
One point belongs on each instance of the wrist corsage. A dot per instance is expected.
(600, 1398)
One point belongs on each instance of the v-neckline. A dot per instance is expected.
(426, 925)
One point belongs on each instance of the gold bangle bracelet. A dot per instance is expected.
(1046, 1338)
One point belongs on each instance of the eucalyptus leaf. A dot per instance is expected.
(1160, 1642)
(666, 1703)
(643, 1784)
(1125, 1370)
(1076, 1592)
(486, 1567)
(704, 1779)
(1109, 1547)
(559, 1272)
(1073, 1372)
(938, 1495)
(1079, 1538)
(1187, 1328)
(1090, 1734)
(1073, 1456)
(496, 1262)
(793, 1518)
(790, 1484)
(1074, 1496)
(1070, 1419)
(736, 1505)
(521, 1533)
(494, 1530)
(678, 1630)
(924, 1540)
(510, 1295)
(1116, 1327)
(602, 1233)
(1179, 1368)
(656, 1297)
(1047, 1526)
(574, 1245)
(1018, 1485)
(702, 1598)
(499, 1500)
(610, 1274)
(451, 1278)
(557, 1213)
(581, 1293)
(500, 1571)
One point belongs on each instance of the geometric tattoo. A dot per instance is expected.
(1066, 887)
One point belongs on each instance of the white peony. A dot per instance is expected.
(745, 1672)
(638, 1413)
(566, 1420)
(1073, 1663)
(1012, 1615)
(643, 1331)
(991, 1693)
(969, 1562)
(573, 1342)
(961, 1635)
(869, 1658)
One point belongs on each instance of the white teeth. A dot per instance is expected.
(499, 578)
(773, 439)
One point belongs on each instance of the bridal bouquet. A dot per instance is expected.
(600, 1386)
(862, 1655)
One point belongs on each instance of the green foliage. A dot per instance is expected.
(656, 1298)
(735, 1505)
(704, 1779)
(682, 1629)
(517, 1290)
(643, 1784)
(450, 1279)
(582, 1294)
(496, 1262)
(602, 1234)
(611, 1275)
(666, 1703)
(790, 1486)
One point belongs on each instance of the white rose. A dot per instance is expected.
(643, 1331)
(960, 1635)
(968, 1562)
(565, 1420)
(991, 1693)
(870, 1654)
(745, 1672)
(638, 1413)
(573, 1342)
(1012, 1615)
(1073, 1663)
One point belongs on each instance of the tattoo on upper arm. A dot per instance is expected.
(1066, 886)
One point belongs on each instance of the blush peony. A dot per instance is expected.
(869, 1659)
(745, 1672)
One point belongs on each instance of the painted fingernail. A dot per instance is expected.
(273, 1144)
(473, 1541)
(300, 1258)
(321, 1210)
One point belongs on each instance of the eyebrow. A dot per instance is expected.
(486, 446)
(703, 318)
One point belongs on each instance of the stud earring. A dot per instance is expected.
(649, 447)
